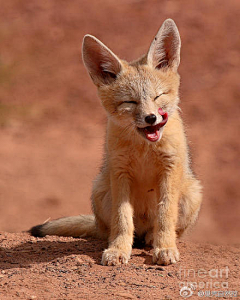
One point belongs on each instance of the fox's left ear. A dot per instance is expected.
(165, 48)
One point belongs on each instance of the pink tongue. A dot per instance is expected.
(152, 136)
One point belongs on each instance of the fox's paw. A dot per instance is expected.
(113, 257)
(165, 256)
(149, 238)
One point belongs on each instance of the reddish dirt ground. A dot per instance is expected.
(52, 135)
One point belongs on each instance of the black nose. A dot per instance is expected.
(150, 119)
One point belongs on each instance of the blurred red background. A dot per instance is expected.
(52, 123)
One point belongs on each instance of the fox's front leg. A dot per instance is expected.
(164, 238)
(121, 231)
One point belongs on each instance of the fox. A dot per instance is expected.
(146, 189)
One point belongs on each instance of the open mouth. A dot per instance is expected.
(153, 133)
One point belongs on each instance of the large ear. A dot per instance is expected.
(165, 48)
(102, 64)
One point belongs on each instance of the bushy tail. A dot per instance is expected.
(78, 226)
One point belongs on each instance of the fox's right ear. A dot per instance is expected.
(102, 64)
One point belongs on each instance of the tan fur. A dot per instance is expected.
(144, 188)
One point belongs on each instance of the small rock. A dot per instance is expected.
(160, 268)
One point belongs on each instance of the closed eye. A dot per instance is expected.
(133, 102)
(163, 93)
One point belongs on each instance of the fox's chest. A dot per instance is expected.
(145, 174)
(145, 189)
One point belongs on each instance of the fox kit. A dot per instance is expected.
(145, 187)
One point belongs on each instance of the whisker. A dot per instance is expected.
(125, 129)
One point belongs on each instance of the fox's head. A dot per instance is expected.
(139, 96)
